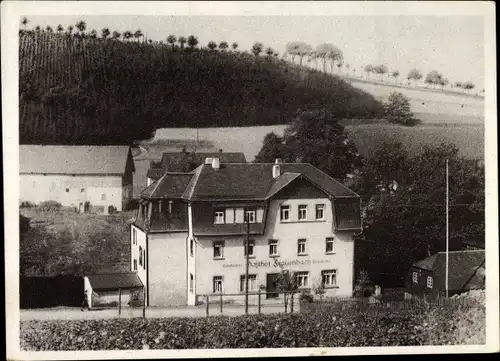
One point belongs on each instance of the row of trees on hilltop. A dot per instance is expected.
(330, 58)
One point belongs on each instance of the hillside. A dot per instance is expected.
(76, 90)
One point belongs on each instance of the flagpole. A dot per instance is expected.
(447, 230)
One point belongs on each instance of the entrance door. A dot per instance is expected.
(271, 285)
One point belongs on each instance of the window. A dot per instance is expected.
(329, 278)
(415, 277)
(219, 217)
(302, 279)
(218, 282)
(219, 249)
(285, 213)
(135, 264)
(320, 211)
(429, 282)
(273, 247)
(191, 247)
(251, 245)
(82, 190)
(252, 283)
(301, 247)
(329, 248)
(191, 282)
(250, 216)
(103, 197)
(140, 256)
(67, 190)
(302, 212)
(134, 236)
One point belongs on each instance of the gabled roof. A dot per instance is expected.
(73, 159)
(114, 281)
(254, 181)
(170, 185)
(462, 265)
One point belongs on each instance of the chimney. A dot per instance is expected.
(276, 171)
(215, 163)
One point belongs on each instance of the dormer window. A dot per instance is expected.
(219, 217)
(250, 216)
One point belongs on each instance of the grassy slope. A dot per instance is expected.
(66, 242)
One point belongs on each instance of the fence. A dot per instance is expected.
(370, 303)
(219, 299)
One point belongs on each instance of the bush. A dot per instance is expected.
(111, 209)
(24, 224)
(397, 110)
(50, 206)
(306, 297)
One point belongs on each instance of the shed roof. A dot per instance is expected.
(73, 159)
(114, 281)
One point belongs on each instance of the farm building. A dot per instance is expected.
(97, 178)
(465, 272)
(186, 161)
(189, 235)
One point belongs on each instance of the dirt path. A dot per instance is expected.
(77, 314)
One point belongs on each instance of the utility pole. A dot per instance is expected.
(246, 263)
(447, 235)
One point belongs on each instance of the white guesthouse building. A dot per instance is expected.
(188, 238)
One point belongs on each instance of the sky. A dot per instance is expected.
(452, 45)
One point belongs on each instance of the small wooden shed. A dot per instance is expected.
(111, 288)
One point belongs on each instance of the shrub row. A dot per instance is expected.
(255, 331)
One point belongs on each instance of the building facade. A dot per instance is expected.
(189, 235)
(84, 177)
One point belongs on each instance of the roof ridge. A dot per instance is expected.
(194, 179)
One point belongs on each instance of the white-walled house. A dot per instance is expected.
(75, 175)
(188, 238)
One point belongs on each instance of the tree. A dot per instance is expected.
(81, 26)
(272, 148)
(347, 67)
(340, 65)
(182, 41)
(395, 75)
(127, 35)
(269, 51)
(60, 28)
(93, 34)
(468, 85)
(138, 34)
(414, 75)
(433, 78)
(234, 46)
(381, 69)
(298, 48)
(257, 48)
(192, 41)
(316, 137)
(223, 46)
(368, 70)
(444, 82)
(212, 45)
(171, 39)
(24, 21)
(287, 283)
(38, 28)
(458, 84)
(319, 289)
(116, 35)
(49, 29)
(105, 33)
(397, 110)
(70, 29)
